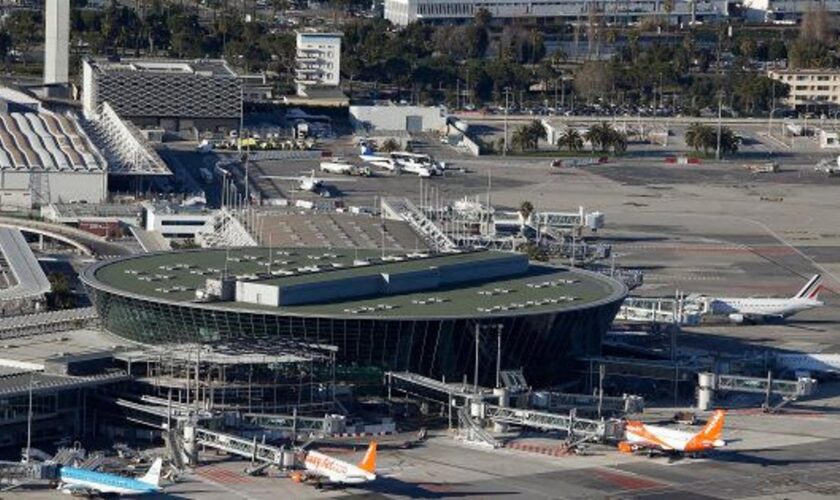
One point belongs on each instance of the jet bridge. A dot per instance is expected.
(474, 409)
(658, 310)
(789, 390)
(248, 448)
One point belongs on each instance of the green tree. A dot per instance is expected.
(24, 28)
(526, 208)
(519, 139)
(60, 291)
(571, 140)
(390, 145)
(728, 141)
(534, 252)
(699, 136)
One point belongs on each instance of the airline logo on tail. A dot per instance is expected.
(710, 436)
(812, 289)
(640, 436)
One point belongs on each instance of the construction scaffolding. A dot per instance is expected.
(261, 378)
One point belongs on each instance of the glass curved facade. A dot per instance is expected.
(542, 344)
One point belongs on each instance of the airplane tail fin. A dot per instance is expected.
(714, 427)
(812, 288)
(153, 475)
(368, 463)
(365, 149)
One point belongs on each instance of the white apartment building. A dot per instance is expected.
(318, 61)
(810, 87)
(403, 12)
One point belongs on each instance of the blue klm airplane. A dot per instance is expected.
(84, 481)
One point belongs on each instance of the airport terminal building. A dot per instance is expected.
(415, 312)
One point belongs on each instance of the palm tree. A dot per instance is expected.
(728, 141)
(571, 140)
(536, 132)
(519, 139)
(600, 135)
(618, 141)
(699, 137)
(593, 137)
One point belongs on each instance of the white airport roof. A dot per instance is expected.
(30, 280)
(45, 141)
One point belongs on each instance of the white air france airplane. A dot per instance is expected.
(75, 481)
(321, 468)
(740, 310)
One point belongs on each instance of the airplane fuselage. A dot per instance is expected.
(334, 470)
(776, 307)
(73, 478)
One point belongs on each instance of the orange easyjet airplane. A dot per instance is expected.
(639, 436)
(321, 468)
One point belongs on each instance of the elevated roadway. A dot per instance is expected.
(86, 243)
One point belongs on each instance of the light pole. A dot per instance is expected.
(498, 355)
(507, 96)
(29, 420)
(475, 372)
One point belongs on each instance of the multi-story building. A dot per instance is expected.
(784, 11)
(318, 61)
(175, 95)
(810, 87)
(403, 12)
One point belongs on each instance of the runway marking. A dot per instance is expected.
(627, 481)
(541, 449)
(224, 476)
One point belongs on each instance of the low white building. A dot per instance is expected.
(318, 61)
(829, 139)
(175, 221)
(392, 117)
(403, 12)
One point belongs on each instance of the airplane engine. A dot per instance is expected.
(625, 447)
(736, 318)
